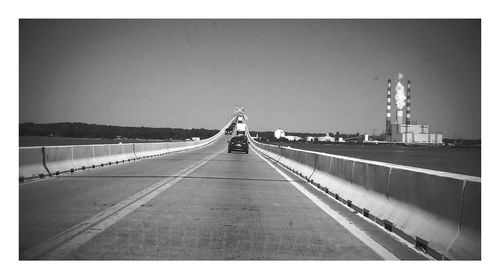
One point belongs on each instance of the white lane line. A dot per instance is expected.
(63, 244)
(362, 236)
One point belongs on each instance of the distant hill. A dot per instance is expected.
(83, 130)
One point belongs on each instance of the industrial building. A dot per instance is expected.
(326, 138)
(406, 132)
(412, 133)
(293, 138)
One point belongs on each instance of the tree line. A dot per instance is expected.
(84, 130)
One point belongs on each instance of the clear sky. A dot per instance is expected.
(298, 75)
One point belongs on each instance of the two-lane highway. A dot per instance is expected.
(200, 204)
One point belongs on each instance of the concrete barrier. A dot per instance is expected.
(341, 171)
(439, 212)
(59, 158)
(31, 162)
(174, 146)
(322, 173)
(34, 161)
(303, 162)
(128, 150)
(102, 154)
(144, 149)
(83, 156)
(369, 186)
(118, 153)
(274, 152)
(287, 160)
(469, 232)
(425, 206)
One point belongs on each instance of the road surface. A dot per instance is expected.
(203, 204)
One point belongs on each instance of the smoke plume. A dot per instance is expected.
(400, 95)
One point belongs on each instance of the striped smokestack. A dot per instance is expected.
(408, 109)
(388, 131)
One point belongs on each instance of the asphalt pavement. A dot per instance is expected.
(203, 204)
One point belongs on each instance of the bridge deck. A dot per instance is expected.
(200, 204)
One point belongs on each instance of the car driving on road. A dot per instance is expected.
(238, 143)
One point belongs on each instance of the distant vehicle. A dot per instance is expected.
(241, 127)
(238, 143)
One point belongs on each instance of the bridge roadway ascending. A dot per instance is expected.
(198, 204)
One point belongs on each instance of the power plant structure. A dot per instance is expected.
(403, 131)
